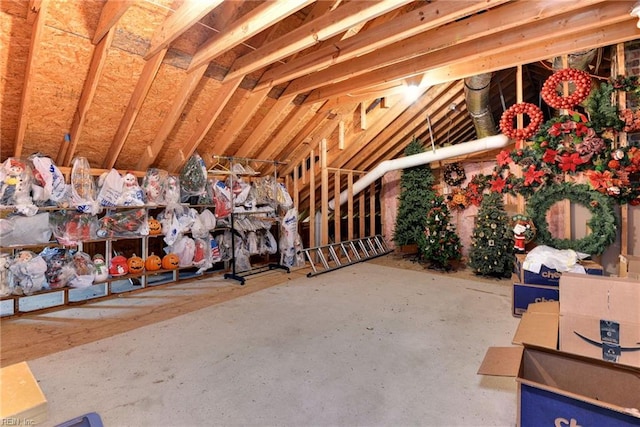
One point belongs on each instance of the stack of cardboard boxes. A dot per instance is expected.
(577, 360)
(530, 287)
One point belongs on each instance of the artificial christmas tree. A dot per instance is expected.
(491, 252)
(415, 199)
(440, 244)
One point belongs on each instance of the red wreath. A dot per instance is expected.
(535, 119)
(581, 79)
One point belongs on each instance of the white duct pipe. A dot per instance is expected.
(488, 143)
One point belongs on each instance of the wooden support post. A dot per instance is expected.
(312, 201)
(341, 135)
(622, 140)
(372, 209)
(350, 206)
(324, 193)
(519, 98)
(568, 212)
(336, 207)
(362, 214)
(296, 189)
(363, 116)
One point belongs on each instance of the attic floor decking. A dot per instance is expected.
(369, 344)
(30, 336)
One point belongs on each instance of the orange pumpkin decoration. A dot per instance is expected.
(135, 264)
(170, 261)
(155, 228)
(153, 263)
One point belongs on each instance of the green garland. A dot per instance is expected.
(602, 222)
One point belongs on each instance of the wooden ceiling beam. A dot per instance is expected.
(109, 17)
(179, 22)
(324, 27)
(259, 19)
(555, 46)
(412, 123)
(241, 116)
(180, 100)
(251, 146)
(538, 34)
(36, 15)
(282, 137)
(399, 28)
(138, 96)
(384, 126)
(204, 123)
(99, 58)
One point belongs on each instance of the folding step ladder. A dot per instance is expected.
(337, 255)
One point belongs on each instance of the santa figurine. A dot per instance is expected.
(519, 238)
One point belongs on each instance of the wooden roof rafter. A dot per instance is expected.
(401, 27)
(36, 14)
(254, 100)
(494, 46)
(223, 95)
(322, 28)
(259, 19)
(111, 13)
(178, 23)
(98, 60)
(138, 96)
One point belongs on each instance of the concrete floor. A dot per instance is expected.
(367, 345)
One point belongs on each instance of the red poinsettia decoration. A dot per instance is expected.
(498, 184)
(600, 181)
(549, 155)
(569, 162)
(532, 176)
(504, 158)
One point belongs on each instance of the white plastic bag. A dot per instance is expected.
(558, 259)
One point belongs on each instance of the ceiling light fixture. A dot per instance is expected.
(411, 92)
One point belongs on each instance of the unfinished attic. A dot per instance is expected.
(297, 212)
(114, 111)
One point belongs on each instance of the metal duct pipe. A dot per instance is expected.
(476, 90)
(578, 60)
(488, 143)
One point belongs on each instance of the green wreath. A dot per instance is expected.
(602, 222)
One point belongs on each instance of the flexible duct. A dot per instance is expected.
(578, 60)
(476, 91)
(488, 143)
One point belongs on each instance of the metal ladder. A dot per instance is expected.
(337, 255)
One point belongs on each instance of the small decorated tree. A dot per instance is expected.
(491, 252)
(440, 244)
(415, 199)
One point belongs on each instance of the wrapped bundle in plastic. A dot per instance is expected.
(27, 273)
(16, 178)
(193, 178)
(72, 227)
(48, 187)
(126, 223)
(83, 189)
(153, 186)
(172, 190)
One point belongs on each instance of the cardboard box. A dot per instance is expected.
(629, 267)
(549, 276)
(524, 294)
(563, 389)
(21, 399)
(600, 318)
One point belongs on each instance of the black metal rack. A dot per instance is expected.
(240, 276)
